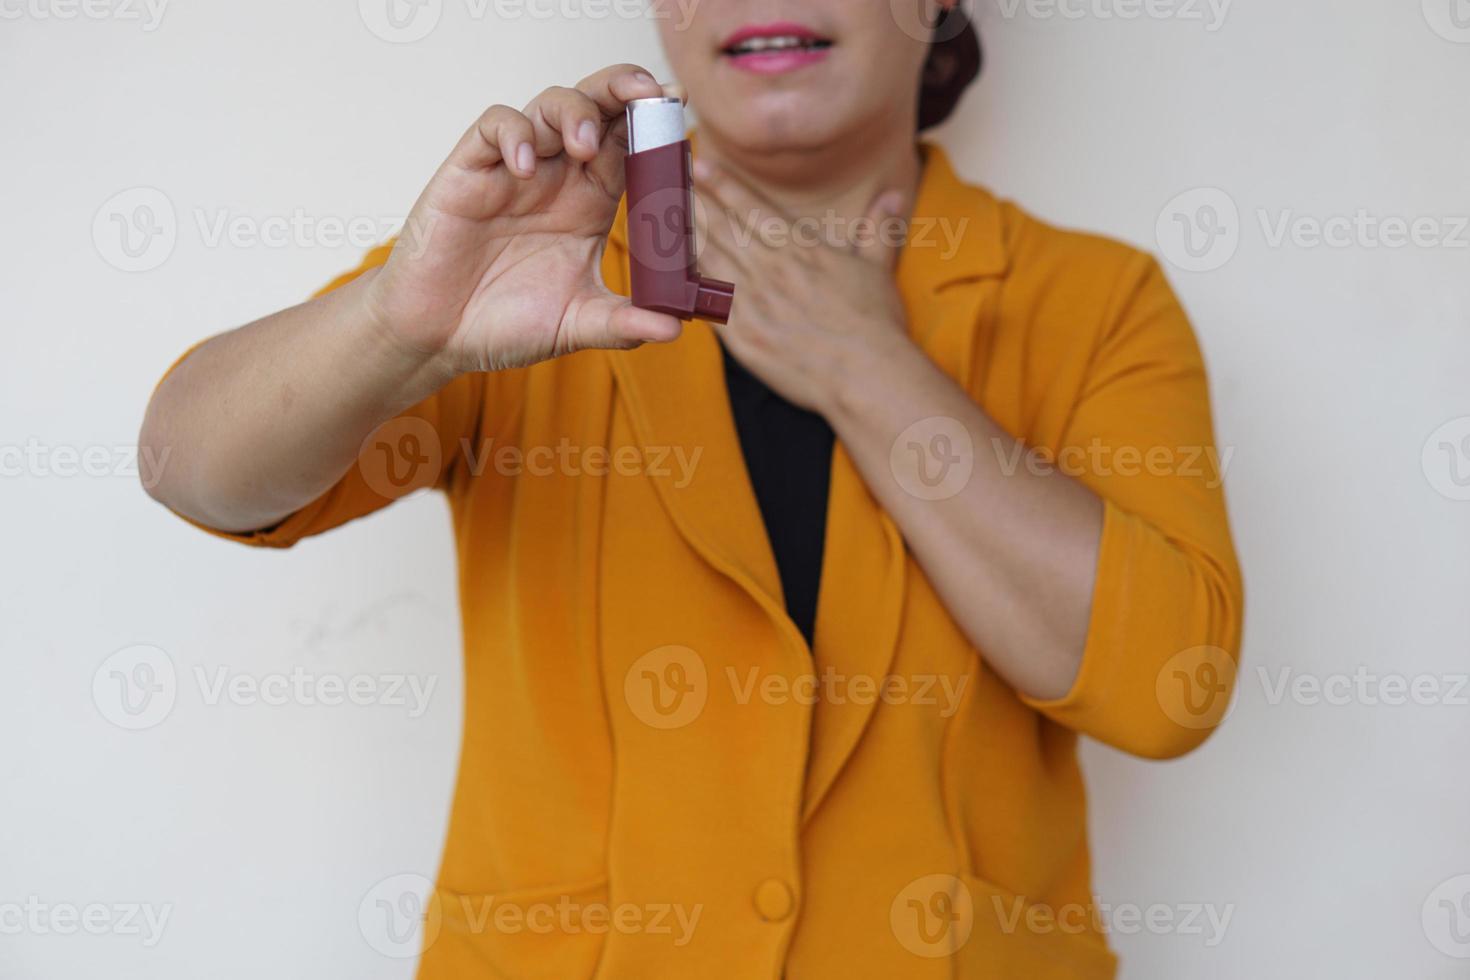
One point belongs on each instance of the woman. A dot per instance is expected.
(778, 635)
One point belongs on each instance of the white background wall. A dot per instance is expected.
(1329, 833)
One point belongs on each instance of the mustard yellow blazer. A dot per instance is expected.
(660, 780)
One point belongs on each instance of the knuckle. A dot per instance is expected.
(614, 71)
(504, 119)
(546, 98)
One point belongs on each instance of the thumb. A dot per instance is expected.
(882, 230)
(605, 320)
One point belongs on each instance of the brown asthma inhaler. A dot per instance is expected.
(665, 276)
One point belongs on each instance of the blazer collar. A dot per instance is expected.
(956, 231)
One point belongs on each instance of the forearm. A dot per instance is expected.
(1012, 553)
(259, 421)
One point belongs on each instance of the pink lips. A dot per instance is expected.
(775, 61)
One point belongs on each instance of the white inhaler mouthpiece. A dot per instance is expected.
(653, 123)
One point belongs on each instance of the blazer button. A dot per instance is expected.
(773, 900)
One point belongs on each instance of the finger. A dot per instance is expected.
(612, 89)
(566, 119)
(740, 209)
(714, 234)
(501, 134)
(877, 236)
(607, 321)
(732, 192)
(615, 86)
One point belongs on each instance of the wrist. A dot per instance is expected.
(861, 371)
(389, 341)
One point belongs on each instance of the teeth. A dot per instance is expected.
(779, 43)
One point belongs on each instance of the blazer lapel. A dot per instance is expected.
(864, 569)
(675, 394)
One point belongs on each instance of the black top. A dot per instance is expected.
(788, 454)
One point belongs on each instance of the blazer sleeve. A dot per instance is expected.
(423, 447)
(1163, 641)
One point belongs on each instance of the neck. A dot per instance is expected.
(843, 178)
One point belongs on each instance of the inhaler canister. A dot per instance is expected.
(661, 253)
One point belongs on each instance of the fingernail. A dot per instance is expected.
(643, 76)
(587, 133)
(525, 158)
(702, 170)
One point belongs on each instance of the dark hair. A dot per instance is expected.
(953, 63)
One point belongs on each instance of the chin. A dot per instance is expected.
(777, 122)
